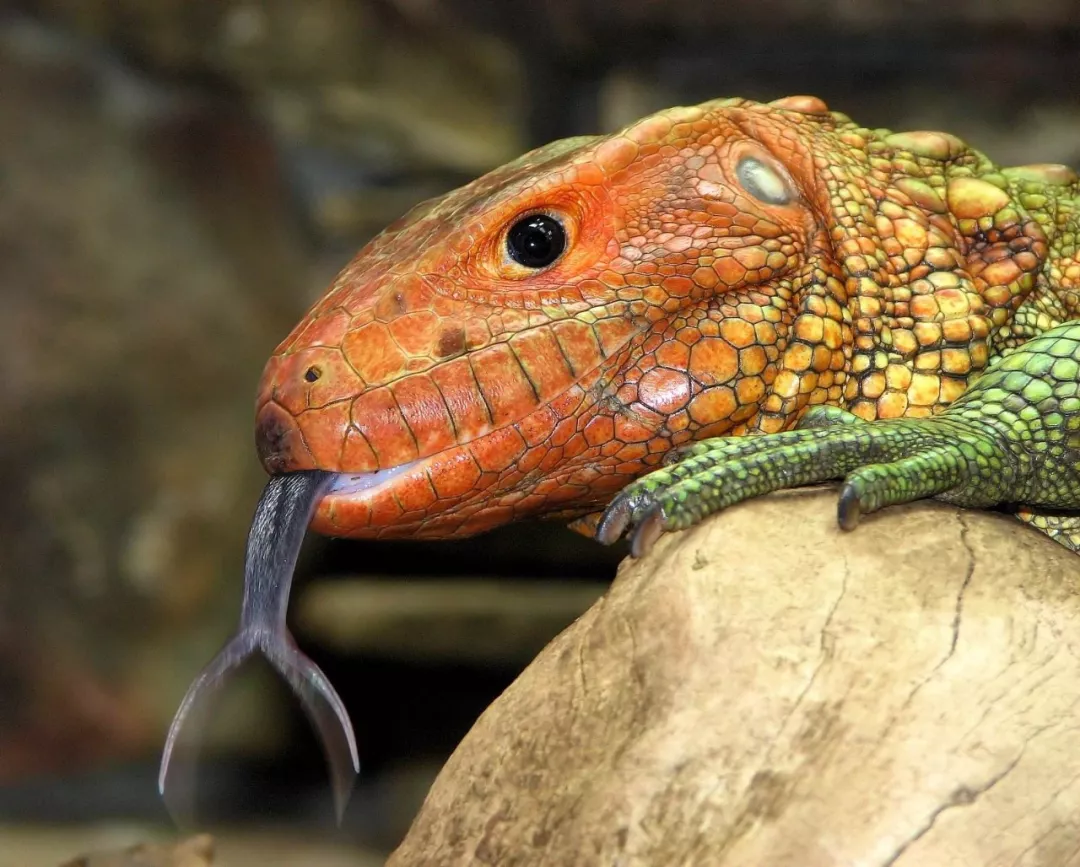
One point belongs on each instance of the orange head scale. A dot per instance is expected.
(529, 343)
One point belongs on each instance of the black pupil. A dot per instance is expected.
(536, 241)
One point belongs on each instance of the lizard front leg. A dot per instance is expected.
(1012, 438)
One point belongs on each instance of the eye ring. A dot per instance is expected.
(536, 241)
(763, 182)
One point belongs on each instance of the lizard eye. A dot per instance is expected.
(763, 182)
(536, 241)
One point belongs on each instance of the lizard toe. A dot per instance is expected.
(615, 520)
(650, 528)
(933, 472)
(849, 508)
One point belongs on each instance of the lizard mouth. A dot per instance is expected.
(430, 497)
(359, 485)
(468, 489)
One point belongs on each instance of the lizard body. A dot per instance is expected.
(533, 342)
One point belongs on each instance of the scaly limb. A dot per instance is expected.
(1012, 438)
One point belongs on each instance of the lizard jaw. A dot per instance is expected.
(456, 492)
(418, 499)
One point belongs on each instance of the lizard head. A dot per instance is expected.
(529, 343)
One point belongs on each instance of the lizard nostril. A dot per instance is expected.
(312, 374)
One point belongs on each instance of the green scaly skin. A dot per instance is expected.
(1013, 437)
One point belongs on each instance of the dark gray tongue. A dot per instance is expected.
(277, 531)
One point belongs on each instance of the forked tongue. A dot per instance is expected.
(277, 532)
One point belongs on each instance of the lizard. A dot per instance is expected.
(533, 342)
(636, 330)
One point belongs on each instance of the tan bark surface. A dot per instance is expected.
(767, 690)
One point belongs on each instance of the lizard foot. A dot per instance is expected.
(1013, 437)
(884, 463)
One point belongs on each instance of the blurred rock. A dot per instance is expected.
(394, 92)
(471, 621)
(195, 852)
(138, 846)
(591, 17)
(904, 694)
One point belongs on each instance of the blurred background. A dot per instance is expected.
(179, 179)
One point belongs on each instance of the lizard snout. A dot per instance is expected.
(278, 441)
(302, 410)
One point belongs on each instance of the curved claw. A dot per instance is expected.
(649, 529)
(849, 508)
(615, 520)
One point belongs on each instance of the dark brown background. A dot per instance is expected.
(178, 181)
